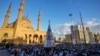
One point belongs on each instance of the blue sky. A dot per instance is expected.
(55, 10)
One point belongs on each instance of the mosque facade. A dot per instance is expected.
(21, 30)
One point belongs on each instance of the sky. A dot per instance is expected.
(57, 11)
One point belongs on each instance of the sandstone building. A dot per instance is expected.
(78, 35)
(68, 38)
(21, 31)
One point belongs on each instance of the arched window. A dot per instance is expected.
(40, 38)
(36, 38)
(5, 35)
(30, 38)
(26, 36)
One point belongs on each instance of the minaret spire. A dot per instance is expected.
(27, 16)
(20, 13)
(7, 16)
(19, 19)
(39, 20)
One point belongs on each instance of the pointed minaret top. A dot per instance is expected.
(27, 15)
(39, 20)
(10, 5)
(7, 16)
(39, 12)
(20, 11)
(9, 8)
(23, 1)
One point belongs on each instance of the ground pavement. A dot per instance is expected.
(4, 53)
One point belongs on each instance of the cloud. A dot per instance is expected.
(93, 25)
(61, 30)
(96, 28)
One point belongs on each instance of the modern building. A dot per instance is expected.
(97, 38)
(21, 30)
(92, 38)
(78, 35)
(68, 38)
(60, 39)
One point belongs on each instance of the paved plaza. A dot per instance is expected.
(4, 53)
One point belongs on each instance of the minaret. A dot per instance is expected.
(39, 21)
(49, 42)
(19, 19)
(27, 16)
(7, 16)
(20, 13)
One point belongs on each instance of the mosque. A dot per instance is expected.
(21, 30)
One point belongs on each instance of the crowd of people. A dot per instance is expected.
(58, 50)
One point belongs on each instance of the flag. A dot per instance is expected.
(70, 14)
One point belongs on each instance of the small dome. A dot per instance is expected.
(26, 19)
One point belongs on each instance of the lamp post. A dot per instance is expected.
(71, 18)
(72, 39)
